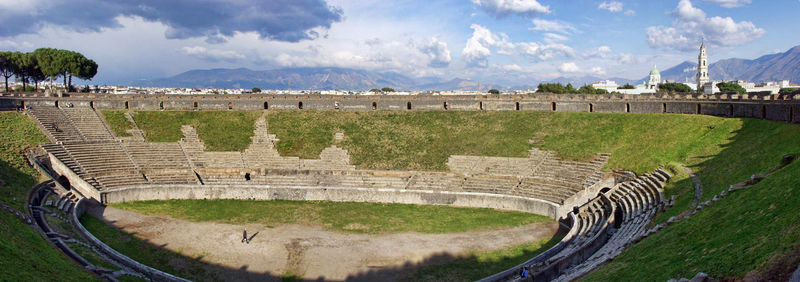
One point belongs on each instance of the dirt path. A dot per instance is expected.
(313, 252)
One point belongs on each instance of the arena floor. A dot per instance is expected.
(312, 252)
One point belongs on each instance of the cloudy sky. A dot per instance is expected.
(509, 42)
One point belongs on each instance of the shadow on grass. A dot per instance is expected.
(435, 267)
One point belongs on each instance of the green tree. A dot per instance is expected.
(789, 91)
(494, 91)
(588, 89)
(570, 88)
(48, 61)
(7, 66)
(674, 87)
(627, 86)
(387, 89)
(731, 87)
(256, 90)
(555, 88)
(375, 90)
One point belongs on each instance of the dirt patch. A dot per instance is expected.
(312, 252)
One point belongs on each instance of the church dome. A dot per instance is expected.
(654, 71)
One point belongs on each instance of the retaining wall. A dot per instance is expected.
(336, 194)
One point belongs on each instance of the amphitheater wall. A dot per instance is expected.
(535, 106)
(778, 112)
(795, 113)
(646, 107)
(747, 110)
(572, 107)
(83, 187)
(336, 194)
(716, 109)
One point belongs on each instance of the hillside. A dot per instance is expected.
(772, 67)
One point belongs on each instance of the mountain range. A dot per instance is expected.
(771, 67)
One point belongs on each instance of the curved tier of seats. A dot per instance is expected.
(599, 230)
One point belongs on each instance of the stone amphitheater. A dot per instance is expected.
(603, 212)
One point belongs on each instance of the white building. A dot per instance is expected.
(702, 66)
(607, 85)
(655, 79)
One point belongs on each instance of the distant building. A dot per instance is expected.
(607, 85)
(655, 79)
(702, 66)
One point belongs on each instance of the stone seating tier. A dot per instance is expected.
(55, 124)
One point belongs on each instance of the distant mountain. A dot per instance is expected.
(288, 78)
(459, 84)
(586, 80)
(771, 67)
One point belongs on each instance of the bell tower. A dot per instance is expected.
(702, 66)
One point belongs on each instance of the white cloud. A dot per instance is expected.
(477, 52)
(630, 12)
(555, 26)
(437, 52)
(512, 67)
(554, 37)
(731, 3)
(569, 67)
(600, 52)
(691, 24)
(502, 8)
(611, 6)
(597, 71)
(211, 54)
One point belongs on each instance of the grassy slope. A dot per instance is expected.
(26, 256)
(220, 130)
(750, 230)
(117, 122)
(342, 216)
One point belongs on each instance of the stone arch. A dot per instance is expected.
(64, 181)
(516, 106)
(730, 110)
(374, 105)
(56, 103)
(697, 109)
(195, 105)
(266, 105)
(91, 104)
(763, 111)
(444, 105)
(663, 107)
(591, 107)
(300, 105)
(161, 105)
(553, 106)
(480, 105)
(627, 107)
(127, 105)
(408, 105)
(230, 105)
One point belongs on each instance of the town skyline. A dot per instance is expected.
(504, 42)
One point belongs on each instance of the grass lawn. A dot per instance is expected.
(370, 218)
(24, 254)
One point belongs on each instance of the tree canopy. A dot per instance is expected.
(627, 86)
(674, 87)
(494, 91)
(558, 88)
(387, 89)
(731, 87)
(42, 63)
(256, 90)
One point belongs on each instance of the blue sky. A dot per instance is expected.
(510, 42)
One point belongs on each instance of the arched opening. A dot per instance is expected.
(604, 190)
(663, 107)
(697, 110)
(22, 104)
(408, 105)
(127, 105)
(627, 107)
(161, 105)
(591, 108)
(516, 106)
(374, 105)
(56, 103)
(480, 105)
(266, 105)
(763, 112)
(64, 181)
(230, 105)
(247, 176)
(91, 104)
(444, 105)
(730, 110)
(553, 106)
(618, 217)
(195, 105)
(300, 105)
